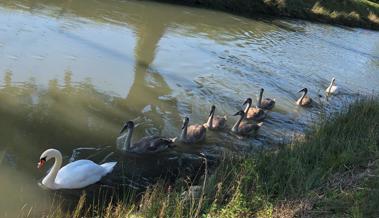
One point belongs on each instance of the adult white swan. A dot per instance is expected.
(75, 175)
(332, 88)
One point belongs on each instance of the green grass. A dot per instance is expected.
(332, 172)
(356, 13)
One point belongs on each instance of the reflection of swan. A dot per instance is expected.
(332, 89)
(148, 144)
(304, 100)
(267, 103)
(77, 174)
(192, 134)
(215, 122)
(243, 128)
(253, 113)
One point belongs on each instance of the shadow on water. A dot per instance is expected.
(82, 122)
(148, 15)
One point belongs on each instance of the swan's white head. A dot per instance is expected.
(334, 81)
(47, 155)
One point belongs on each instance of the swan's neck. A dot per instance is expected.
(302, 97)
(128, 140)
(49, 180)
(260, 99)
(210, 121)
(247, 107)
(330, 86)
(237, 124)
(183, 136)
(124, 140)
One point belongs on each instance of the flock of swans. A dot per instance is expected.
(81, 173)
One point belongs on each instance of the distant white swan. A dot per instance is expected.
(332, 89)
(75, 175)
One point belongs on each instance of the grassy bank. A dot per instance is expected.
(355, 13)
(331, 172)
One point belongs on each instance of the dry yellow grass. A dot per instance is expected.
(373, 17)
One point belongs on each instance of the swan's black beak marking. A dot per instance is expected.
(303, 90)
(123, 129)
(41, 163)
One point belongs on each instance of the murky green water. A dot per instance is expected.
(73, 71)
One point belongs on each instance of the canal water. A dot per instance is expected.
(72, 72)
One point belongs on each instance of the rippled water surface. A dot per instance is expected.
(73, 71)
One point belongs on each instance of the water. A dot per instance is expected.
(74, 71)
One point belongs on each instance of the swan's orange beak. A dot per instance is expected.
(41, 163)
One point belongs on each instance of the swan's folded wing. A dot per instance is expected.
(152, 144)
(246, 129)
(196, 130)
(160, 143)
(307, 101)
(79, 174)
(334, 89)
(144, 144)
(219, 122)
(267, 103)
(254, 113)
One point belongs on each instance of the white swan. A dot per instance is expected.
(75, 175)
(332, 89)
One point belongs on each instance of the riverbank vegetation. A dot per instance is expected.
(355, 13)
(332, 171)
